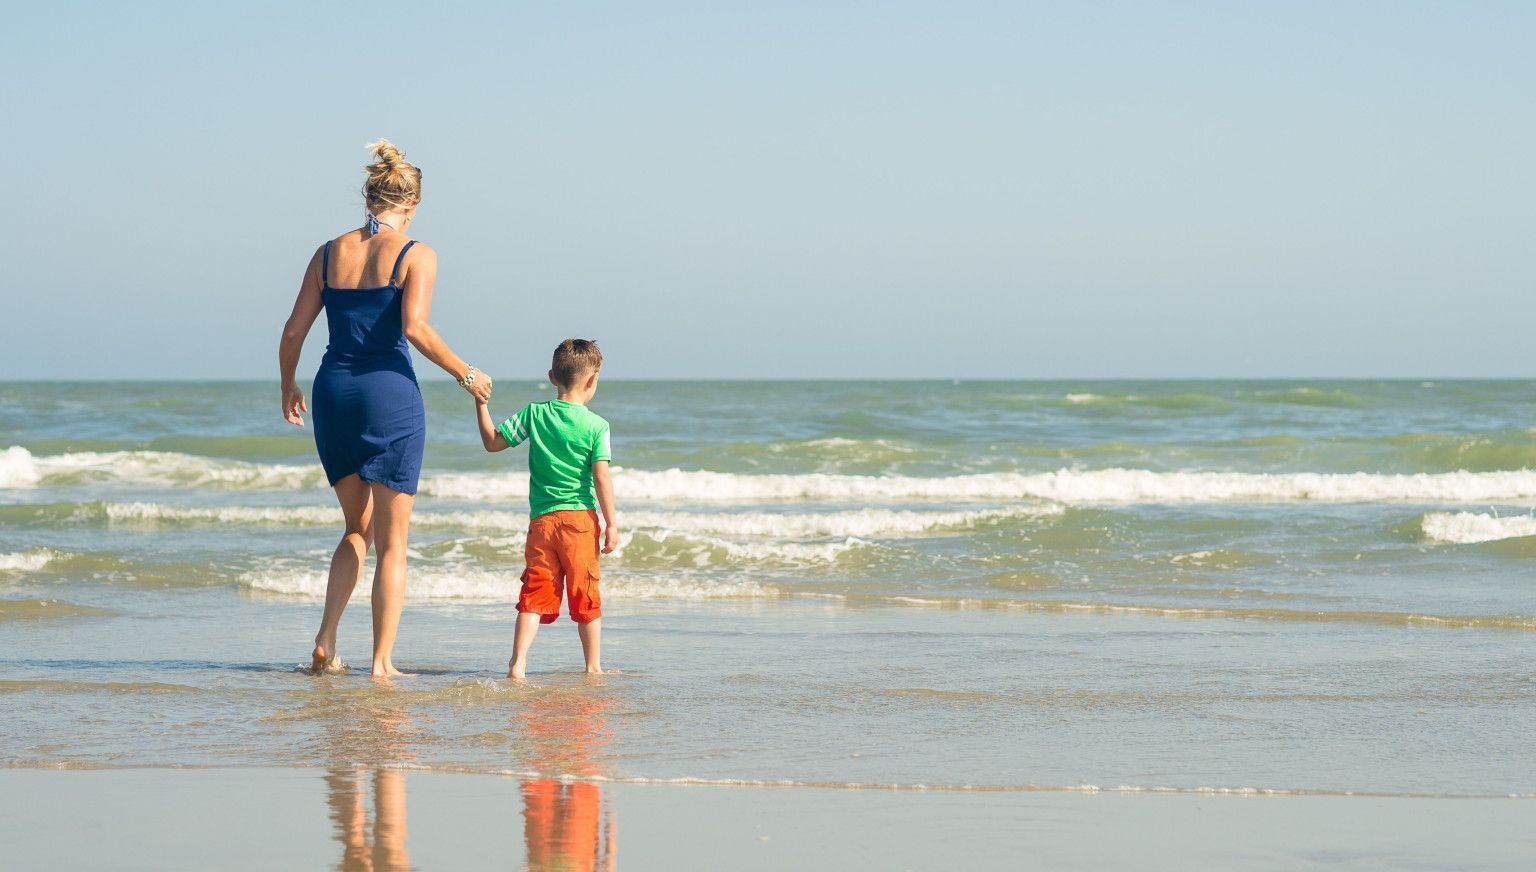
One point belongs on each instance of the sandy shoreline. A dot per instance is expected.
(358, 818)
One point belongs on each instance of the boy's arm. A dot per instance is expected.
(490, 437)
(602, 481)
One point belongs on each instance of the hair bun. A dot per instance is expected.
(392, 181)
(387, 153)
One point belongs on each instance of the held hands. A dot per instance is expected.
(294, 405)
(481, 388)
(610, 539)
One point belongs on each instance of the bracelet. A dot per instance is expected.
(468, 379)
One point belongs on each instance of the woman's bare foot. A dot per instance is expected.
(516, 671)
(321, 661)
(595, 669)
(387, 670)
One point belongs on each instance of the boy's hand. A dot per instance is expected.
(610, 539)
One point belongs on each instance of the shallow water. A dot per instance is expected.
(1321, 587)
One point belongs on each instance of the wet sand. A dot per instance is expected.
(379, 819)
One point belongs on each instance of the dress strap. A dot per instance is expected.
(325, 267)
(394, 277)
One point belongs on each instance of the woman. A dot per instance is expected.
(375, 284)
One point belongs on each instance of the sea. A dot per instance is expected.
(1214, 587)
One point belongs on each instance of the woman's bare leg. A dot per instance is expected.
(389, 820)
(391, 529)
(346, 566)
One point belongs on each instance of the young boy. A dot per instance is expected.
(568, 481)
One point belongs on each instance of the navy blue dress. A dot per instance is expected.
(367, 406)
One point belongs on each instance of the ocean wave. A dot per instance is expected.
(865, 523)
(159, 513)
(1474, 452)
(1310, 396)
(1069, 486)
(671, 547)
(486, 586)
(660, 549)
(19, 468)
(1171, 402)
(1064, 486)
(28, 561)
(1466, 528)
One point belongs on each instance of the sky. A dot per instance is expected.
(787, 190)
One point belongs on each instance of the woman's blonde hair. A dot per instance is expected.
(392, 182)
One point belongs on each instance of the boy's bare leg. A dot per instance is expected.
(592, 645)
(346, 567)
(522, 640)
(391, 525)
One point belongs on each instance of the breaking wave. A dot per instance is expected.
(1465, 528)
(28, 561)
(18, 468)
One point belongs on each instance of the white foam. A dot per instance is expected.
(864, 523)
(867, 523)
(17, 468)
(1465, 528)
(484, 586)
(1069, 486)
(28, 561)
(469, 584)
(1063, 486)
(1083, 399)
(162, 468)
(148, 513)
(702, 550)
(868, 448)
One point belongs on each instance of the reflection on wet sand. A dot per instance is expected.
(560, 732)
(567, 825)
(346, 792)
(368, 730)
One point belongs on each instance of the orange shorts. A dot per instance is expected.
(562, 554)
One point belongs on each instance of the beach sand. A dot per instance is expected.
(395, 819)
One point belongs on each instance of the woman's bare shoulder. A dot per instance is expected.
(420, 255)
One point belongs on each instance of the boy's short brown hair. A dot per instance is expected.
(574, 359)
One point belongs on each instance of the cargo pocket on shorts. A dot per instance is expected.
(594, 595)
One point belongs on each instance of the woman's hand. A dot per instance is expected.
(294, 405)
(481, 389)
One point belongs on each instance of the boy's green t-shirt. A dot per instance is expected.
(564, 440)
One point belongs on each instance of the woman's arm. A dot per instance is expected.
(305, 310)
(416, 308)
